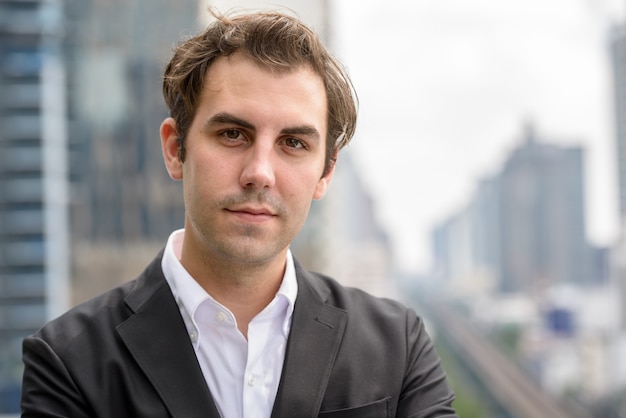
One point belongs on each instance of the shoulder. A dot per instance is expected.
(97, 318)
(364, 308)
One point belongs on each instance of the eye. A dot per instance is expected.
(294, 143)
(232, 135)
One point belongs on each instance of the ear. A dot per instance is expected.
(324, 183)
(169, 147)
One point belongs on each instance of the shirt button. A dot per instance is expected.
(220, 316)
(251, 380)
(193, 336)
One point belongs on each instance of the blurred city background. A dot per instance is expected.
(485, 187)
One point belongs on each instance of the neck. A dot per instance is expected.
(244, 289)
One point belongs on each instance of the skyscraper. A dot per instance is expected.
(618, 47)
(542, 217)
(116, 52)
(524, 229)
(34, 267)
(124, 205)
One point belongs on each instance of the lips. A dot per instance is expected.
(252, 215)
(252, 211)
(253, 206)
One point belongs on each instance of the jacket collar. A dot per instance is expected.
(156, 338)
(316, 333)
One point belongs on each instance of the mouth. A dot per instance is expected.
(261, 210)
(252, 214)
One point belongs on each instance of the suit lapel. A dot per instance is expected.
(157, 339)
(316, 333)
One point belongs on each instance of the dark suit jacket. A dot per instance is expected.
(127, 354)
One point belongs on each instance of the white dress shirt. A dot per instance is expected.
(242, 375)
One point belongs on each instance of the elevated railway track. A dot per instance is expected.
(512, 389)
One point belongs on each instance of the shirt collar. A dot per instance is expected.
(189, 294)
(289, 290)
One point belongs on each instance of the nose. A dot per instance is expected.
(258, 169)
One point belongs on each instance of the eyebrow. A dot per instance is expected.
(225, 118)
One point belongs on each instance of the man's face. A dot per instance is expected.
(255, 156)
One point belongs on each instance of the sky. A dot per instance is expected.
(445, 90)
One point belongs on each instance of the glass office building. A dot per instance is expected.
(33, 182)
(618, 44)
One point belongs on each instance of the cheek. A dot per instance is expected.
(198, 181)
(303, 191)
(206, 169)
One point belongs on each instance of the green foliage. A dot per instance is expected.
(507, 338)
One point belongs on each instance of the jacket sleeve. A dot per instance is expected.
(48, 389)
(425, 391)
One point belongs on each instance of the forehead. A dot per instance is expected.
(240, 82)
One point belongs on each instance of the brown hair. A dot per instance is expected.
(275, 41)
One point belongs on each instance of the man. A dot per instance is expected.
(224, 322)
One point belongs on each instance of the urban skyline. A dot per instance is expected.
(460, 80)
(524, 228)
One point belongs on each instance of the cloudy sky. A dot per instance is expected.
(445, 88)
